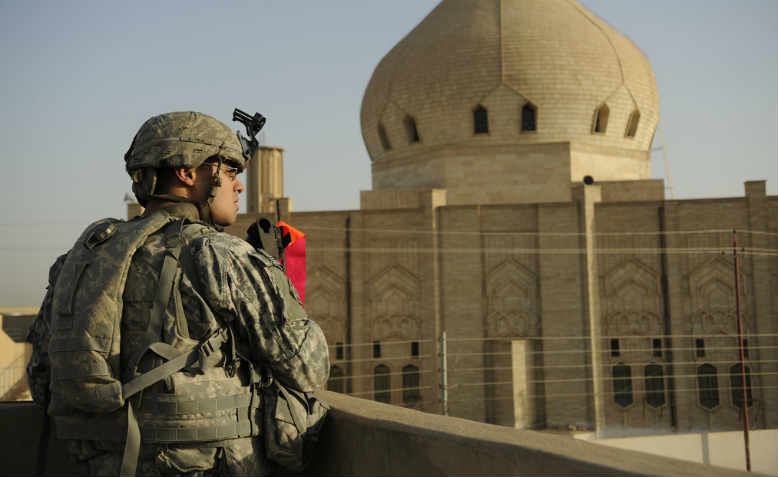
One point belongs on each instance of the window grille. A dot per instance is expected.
(622, 385)
(736, 384)
(657, 346)
(600, 123)
(655, 385)
(615, 348)
(411, 130)
(411, 393)
(632, 124)
(529, 117)
(335, 384)
(382, 384)
(481, 120)
(384, 138)
(708, 386)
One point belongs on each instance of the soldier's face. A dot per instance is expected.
(224, 207)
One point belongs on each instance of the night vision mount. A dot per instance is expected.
(253, 125)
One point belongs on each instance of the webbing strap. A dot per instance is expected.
(241, 422)
(176, 364)
(131, 445)
(162, 435)
(166, 278)
(172, 405)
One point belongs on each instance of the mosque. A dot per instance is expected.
(512, 211)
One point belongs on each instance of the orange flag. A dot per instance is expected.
(293, 259)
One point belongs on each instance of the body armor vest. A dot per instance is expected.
(123, 281)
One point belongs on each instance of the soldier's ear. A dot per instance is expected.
(187, 176)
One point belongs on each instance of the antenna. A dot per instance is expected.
(663, 147)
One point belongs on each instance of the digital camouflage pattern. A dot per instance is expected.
(178, 139)
(182, 139)
(222, 282)
(86, 308)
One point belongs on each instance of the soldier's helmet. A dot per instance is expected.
(178, 139)
(182, 139)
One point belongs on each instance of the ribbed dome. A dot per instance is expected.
(554, 54)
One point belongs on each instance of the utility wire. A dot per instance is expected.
(606, 393)
(541, 234)
(581, 337)
(606, 378)
(756, 252)
(577, 366)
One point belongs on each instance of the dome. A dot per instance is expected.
(552, 62)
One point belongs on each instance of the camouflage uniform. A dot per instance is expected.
(224, 283)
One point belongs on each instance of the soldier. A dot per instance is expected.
(155, 333)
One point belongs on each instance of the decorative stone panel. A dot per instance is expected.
(325, 302)
(394, 304)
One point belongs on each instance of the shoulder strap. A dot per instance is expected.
(176, 360)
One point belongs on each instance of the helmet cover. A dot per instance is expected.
(182, 139)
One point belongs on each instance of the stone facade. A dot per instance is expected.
(492, 274)
(600, 306)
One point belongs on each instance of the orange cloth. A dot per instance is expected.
(294, 256)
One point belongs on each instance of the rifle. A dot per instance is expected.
(264, 235)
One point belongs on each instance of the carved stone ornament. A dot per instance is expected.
(394, 304)
(512, 300)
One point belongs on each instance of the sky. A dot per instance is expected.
(80, 77)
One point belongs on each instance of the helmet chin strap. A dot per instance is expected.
(216, 180)
(203, 207)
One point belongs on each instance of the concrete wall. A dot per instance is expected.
(14, 352)
(684, 286)
(410, 264)
(362, 437)
(723, 449)
(491, 174)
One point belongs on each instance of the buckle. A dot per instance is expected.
(207, 348)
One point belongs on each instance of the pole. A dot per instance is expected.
(443, 374)
(740, 349)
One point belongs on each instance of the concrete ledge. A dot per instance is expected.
(21, 448)
(363, 437)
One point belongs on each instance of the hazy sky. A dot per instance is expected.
(80, 77)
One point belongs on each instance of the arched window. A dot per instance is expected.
(632, 124)
(336, 382)
(622, 385)
(384, 138)
(480, 120)
(381, 384)
(736, 384)
(600, 122)
(655, 385)
(410, 130)
(708, 386)
(411, 391)
(529, 114)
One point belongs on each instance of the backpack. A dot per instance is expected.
(86, 315)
